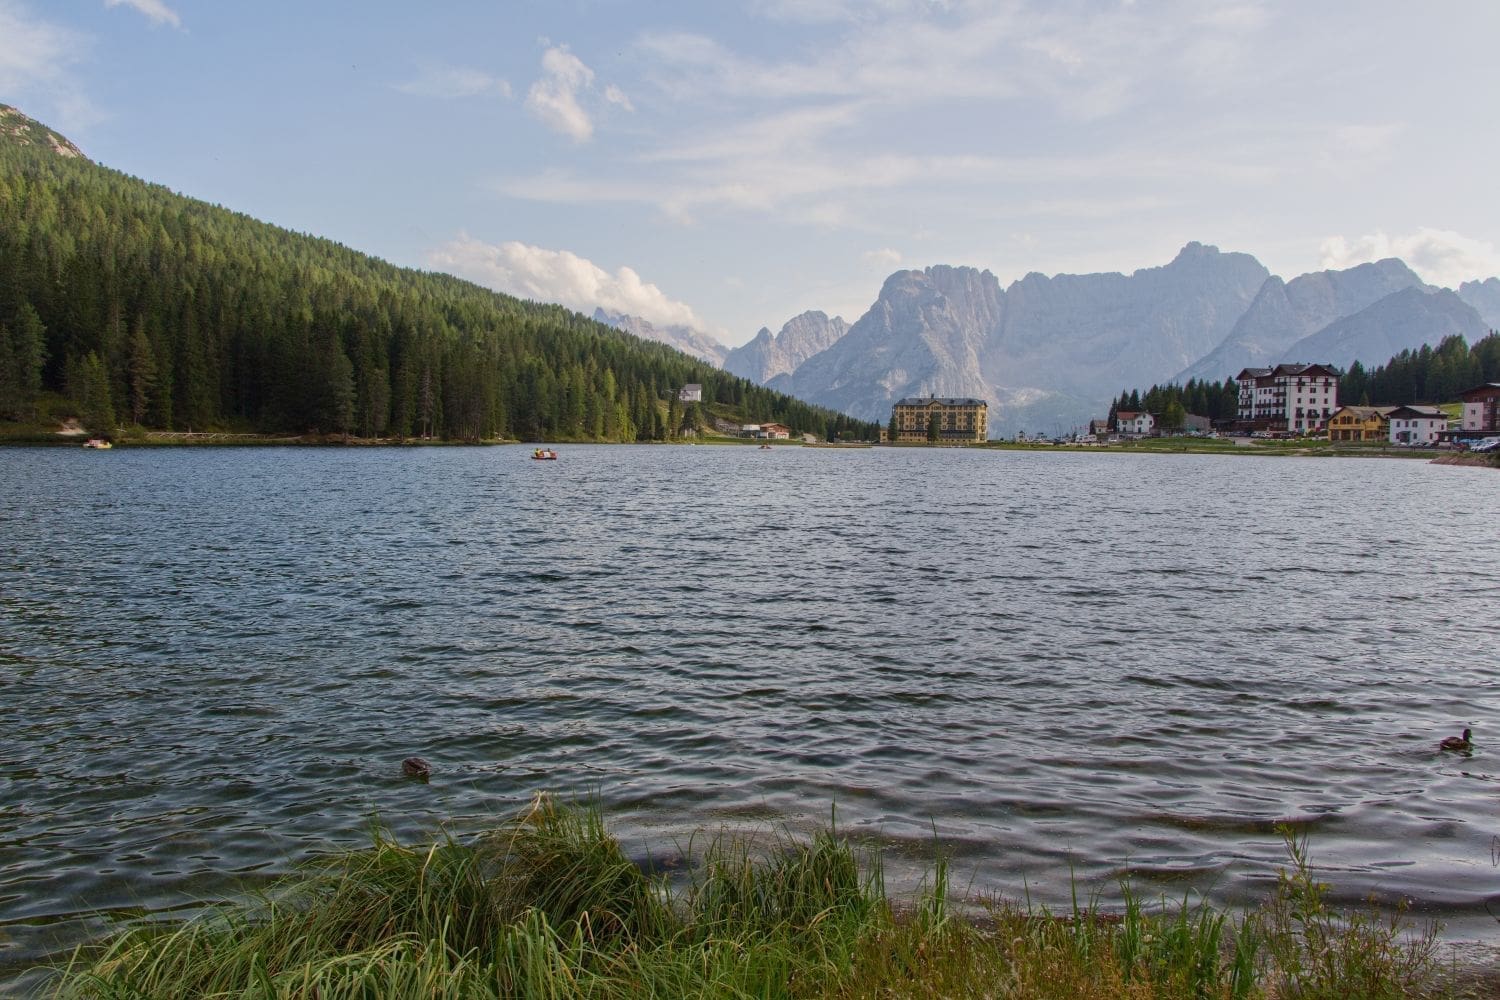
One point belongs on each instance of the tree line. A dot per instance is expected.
(1427, 375)
(146, 308)
(1171, 404)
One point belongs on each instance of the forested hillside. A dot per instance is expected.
(147, 308)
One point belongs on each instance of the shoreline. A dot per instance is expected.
(742, 916)
(33, 436)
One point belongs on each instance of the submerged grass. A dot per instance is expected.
(549, 906)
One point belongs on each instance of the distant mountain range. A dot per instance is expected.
(1049, 353)
(766, 357)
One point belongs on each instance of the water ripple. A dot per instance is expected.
(212, 662)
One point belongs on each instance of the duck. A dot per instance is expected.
(1460, 743)
(416, 767)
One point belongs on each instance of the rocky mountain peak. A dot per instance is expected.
(25, 131)
(801, 337)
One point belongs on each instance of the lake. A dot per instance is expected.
(212, 662)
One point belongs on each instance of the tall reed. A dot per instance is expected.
(549, 906)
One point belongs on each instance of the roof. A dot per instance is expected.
(693, 385)
(1486, 389)
(1251, 373)
(1130, 414)
(944, 400)
(1366, 412)
(1311, 369)
(1419, 411)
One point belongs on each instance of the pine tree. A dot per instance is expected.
(98, 410)
(141, 371)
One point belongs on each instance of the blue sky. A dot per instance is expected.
(730, 165)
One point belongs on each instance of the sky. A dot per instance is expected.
(726, 166)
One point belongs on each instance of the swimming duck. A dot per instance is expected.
(1456, 742)
(416, 767)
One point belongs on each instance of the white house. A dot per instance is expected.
(1139, 424)
(690, 393)
(1417, 424)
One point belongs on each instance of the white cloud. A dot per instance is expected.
(30, 50)
(36, 59)
(450, 82)
(543, 275)
(1440, 256)
(556, 99)
(156, 10)
(883, 259)
(614, 95)
(783, 133)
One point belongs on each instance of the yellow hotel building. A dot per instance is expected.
(1360, 423)
(959, 420)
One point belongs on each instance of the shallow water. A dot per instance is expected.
(213, 661)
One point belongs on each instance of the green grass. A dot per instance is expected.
(549, 906)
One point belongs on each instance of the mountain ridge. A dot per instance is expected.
(1048, 352)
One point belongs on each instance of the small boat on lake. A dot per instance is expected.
(97, 443)
(544, 455)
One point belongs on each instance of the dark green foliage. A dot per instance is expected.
(1173, 415)
(1425, 375)
(203, 318)
(1215, 400)
(22, 355)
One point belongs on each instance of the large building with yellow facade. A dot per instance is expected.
(955, 420)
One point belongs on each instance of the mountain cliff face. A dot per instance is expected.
(1484, 296)
(1285, 312)
(765, 357)
(1092, 334)
(685, 339)
(1402, 320)
(1045, 352)
(922, 336)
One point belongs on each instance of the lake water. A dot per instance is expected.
(212, 662)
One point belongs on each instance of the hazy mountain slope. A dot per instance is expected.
(684, 338)
(1403, 320)
(1484, 296)
(802, 336)
(922, 336)
(1090, 334)
(1284, 312)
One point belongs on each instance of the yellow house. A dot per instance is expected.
(958, 420)
(1360, 423)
